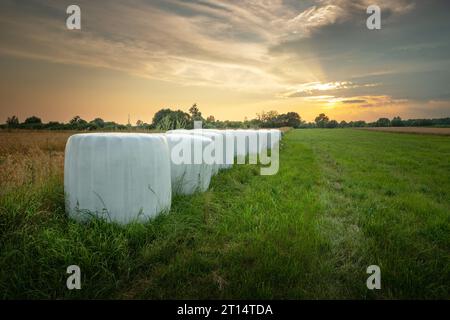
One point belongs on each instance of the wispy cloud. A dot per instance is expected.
(372, 101)
(353, 101)
(207, 42)
(338, 88)
(304, 24)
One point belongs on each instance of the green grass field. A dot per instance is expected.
(342, 200)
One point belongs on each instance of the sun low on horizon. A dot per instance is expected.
(234, 59)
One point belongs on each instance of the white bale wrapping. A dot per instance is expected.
(180, 131)
(227, 147)
(187, 176)
(252, 142)
(275, 137)
(263, 140)
(213, 152)
(246, 144)
(122, 177)
(240, 145)
(213, 145)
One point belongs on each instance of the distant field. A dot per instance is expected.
(343, 200)
(420, 130)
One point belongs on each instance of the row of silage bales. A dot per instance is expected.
(276, 135)
(240, 145)
(121, 177)
(227, 147)
(250, 143)
(131, 177)
(252, 140)
(213, 153)
(189, 173)
(273, 138)
(263, 141)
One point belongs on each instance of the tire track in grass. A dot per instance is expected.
(390, 206)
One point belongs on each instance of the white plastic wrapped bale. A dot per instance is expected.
(275, 137)
(208, 149)
(252, 146)
(246, 144)
(231, 151)
(240, 145)
(227, 147)
(213, 153)
(263, 140)
(180, 131)
(121, 177)
(189, 173)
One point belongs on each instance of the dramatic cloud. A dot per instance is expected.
(266, 48)
(206, 42)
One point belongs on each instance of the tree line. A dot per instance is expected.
(322, 121)
(167, 119)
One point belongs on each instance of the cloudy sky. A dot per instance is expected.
(234, 58)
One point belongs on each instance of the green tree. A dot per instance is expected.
(33, 120)
(359, 123)
(98, 123)
(332, 124)
(78, 123)
(54, 125)
(165, 124)
(397, 122)
(195, 113)
(170, 119)
(33, 123)
(293, 119)
(12, 122)
(268, 119)
(383, 122)
(321, 120)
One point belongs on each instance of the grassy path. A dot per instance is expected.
(343, 200)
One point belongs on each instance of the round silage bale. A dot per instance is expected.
(275, 137)
(213, 153)
(263, 140)
(188, 175)
(121, 177)
(213, 144)
(227, 147)
(252, 142)
(240, 145)
(181, 131)
(246, 144)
